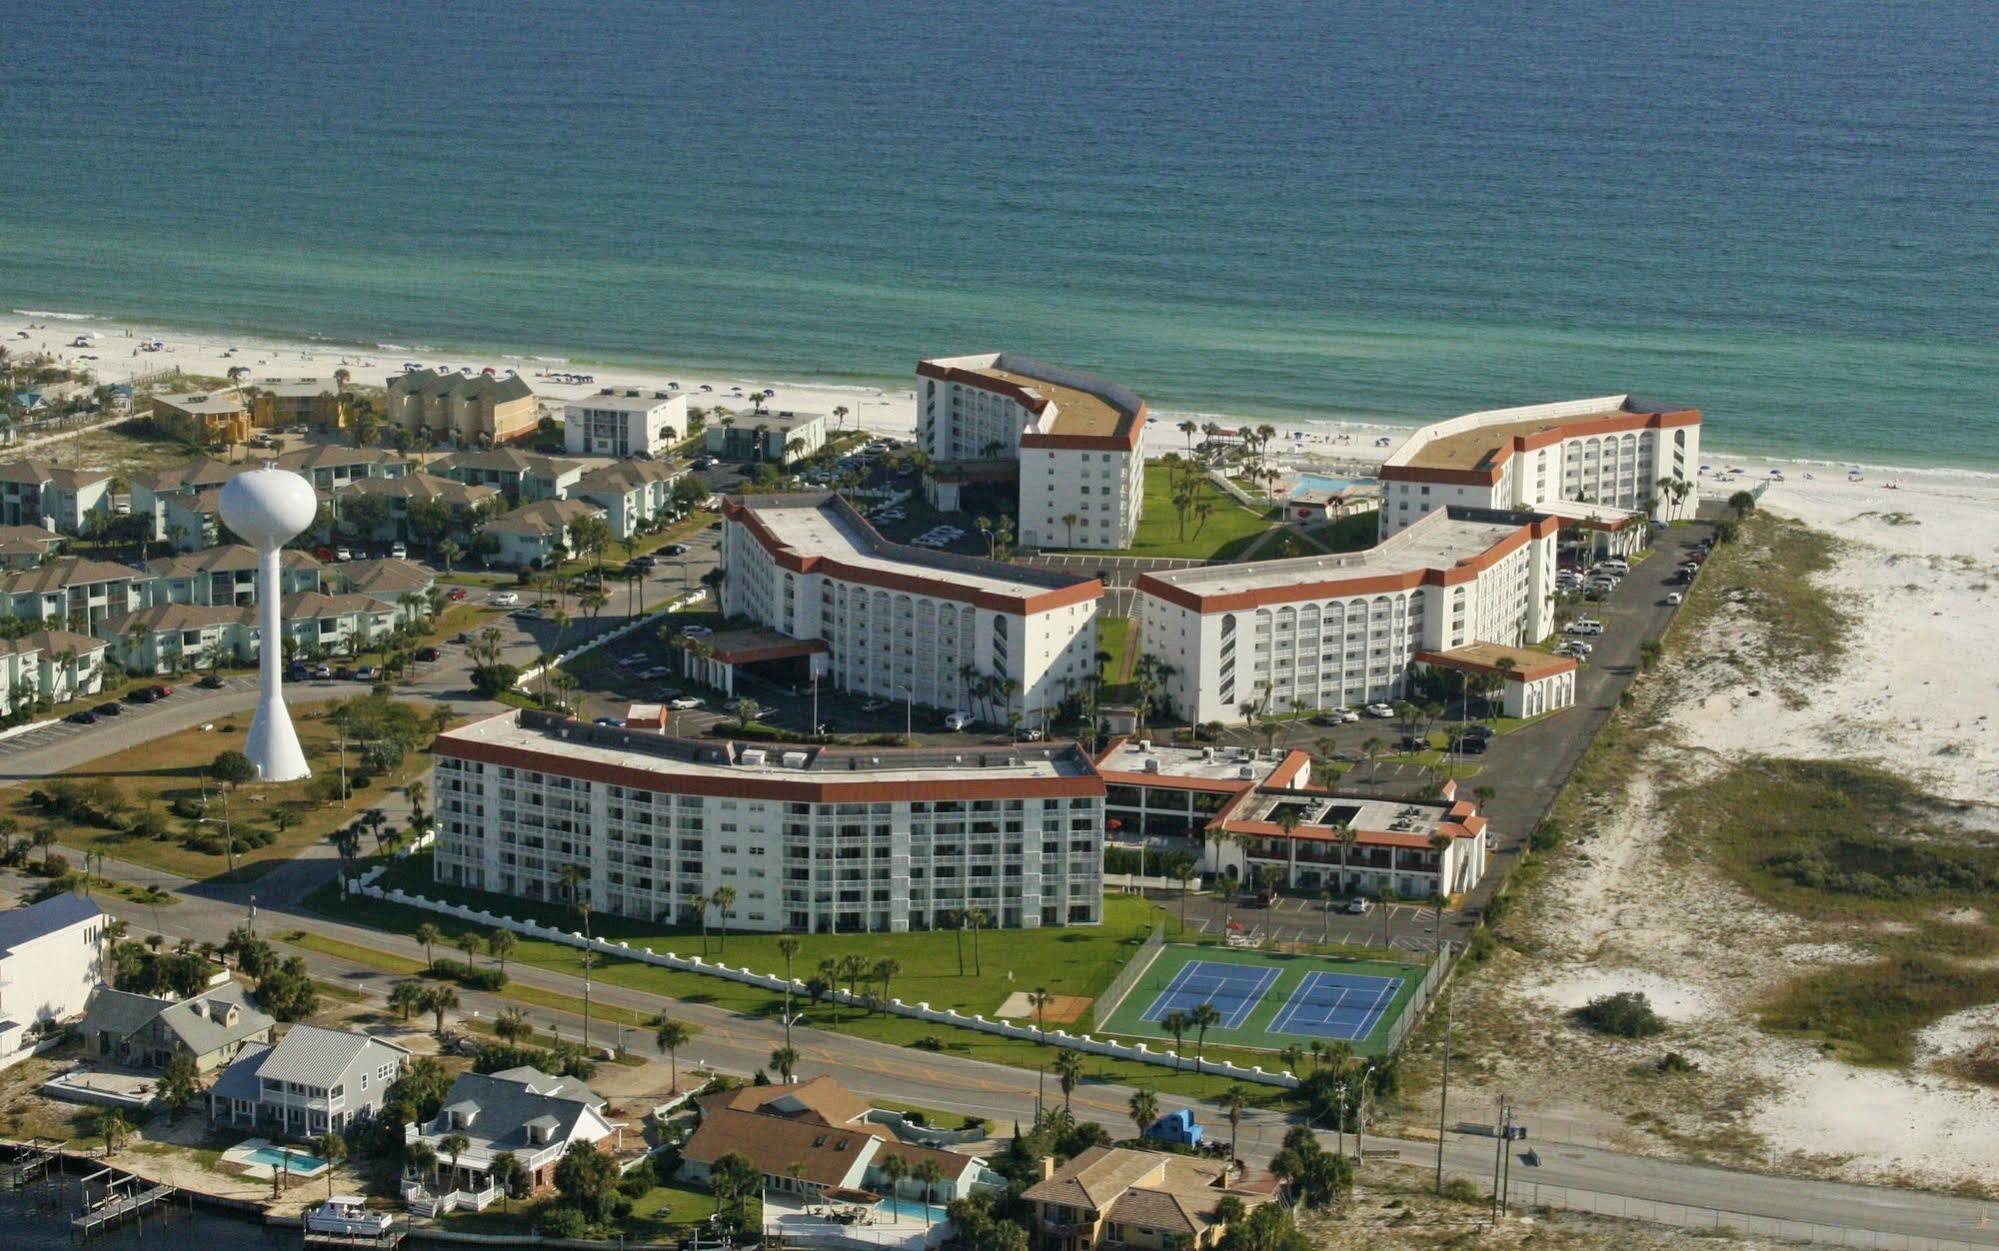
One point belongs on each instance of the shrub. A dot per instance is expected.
(561, 1221)
(1674, 1062)
(929, 1042)
(1547, 836)
(467, 976)
(1626, 1014)
(635, 1183)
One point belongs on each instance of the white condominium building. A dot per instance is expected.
(1328, 631)
(810, 839)
(905, 622)
(1082, 473)
(623, 423)
(1595, 462)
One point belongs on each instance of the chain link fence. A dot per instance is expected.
(1693, 1216)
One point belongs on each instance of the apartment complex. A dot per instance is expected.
(51, 956)
(204, 418)
(1598, 463)
(777, 437)
(811, 839)
(286, 403)
(1329, 631)
(905, 622)
(623, 423)
(469, 409)
(1077, 440)
(37, 493)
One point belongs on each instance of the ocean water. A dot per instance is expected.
(1783, 214)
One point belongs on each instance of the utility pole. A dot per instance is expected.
(1340, 1120)
(1360, 1118)
(1506, 1179)
(1444, 1096)
(1498, 1155)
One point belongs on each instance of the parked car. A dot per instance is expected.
(322, 672)
(109, 709)
(1673, 598)
(161, 692)
(426, 654)
(695, 631)
(1412, 743)
(455, 594)
(957, 720)
(211, 682)
(1360, 906)
(341, 553)
(685, 703)
(671, 549)
(1381, 711)
(297, 673)
(343, 674)
(504, 599)
(610, 721)
(82, 716)
(367, 673)
(398, 551)
(1583, 625)
(1464, 745)
(874, 705)
(141, 695)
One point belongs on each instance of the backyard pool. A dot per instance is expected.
(273, 1158)
(911, 1210)
(1319, 482)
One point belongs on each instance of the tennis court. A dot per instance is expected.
(1234, 989)
(1336, 1005)
(1268, 1000)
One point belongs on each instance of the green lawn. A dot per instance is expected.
(1286, 973)
(660, 1214)
(1114, 637)
(1230, 528)
(1071, 961)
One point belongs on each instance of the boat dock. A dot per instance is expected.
(122, 1198)
(391, 1237)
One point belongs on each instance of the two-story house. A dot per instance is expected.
(523, 1112)
(398, 495)
(538, 535)
(522, 476)
(143, 1032)
(24, 547)
(314, 1081)
(52, 663)
(330, 466)
(1117, 1197)
(150, 491)
(51, 955)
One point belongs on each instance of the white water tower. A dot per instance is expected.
(267, 507)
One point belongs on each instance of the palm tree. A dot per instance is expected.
(454, 1145)
(1144, 1109)
(1742, 503)
(572, 876)
(785, 1061)
(468, 942)
(977, 919)
(670, 1036)
(439, 1000)
(1349, 839)
(502, 1170)
(788, 946)
(840, 412)
(511, 1025)
(406, 997)
(1234, 1100)
(1068, 1073)
(886, 971)
(426, 934)
(895, 1170)
(1070, 520)
(501, 944)
(113, 1128)
(700, 904)
(1176, 1024)
(332, 1148)
(723, 899)
(1040, 1000)
(928, 1174)
(1204, 1016)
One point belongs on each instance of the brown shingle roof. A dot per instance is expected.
(70, 571)
(37, 471)
(826, 1154)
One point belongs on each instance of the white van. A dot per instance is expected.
(1614, 565)
(1583, 625)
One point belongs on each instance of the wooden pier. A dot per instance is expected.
(392, 1237)
(118, 1203)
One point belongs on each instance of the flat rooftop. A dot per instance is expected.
(1346, 812)
(824, 525)
(627, 401)
(753, 643)
(1485, 657)
(1492, 433)
(205, 401)
(583, 743)
(1210, 764)
(1439, 541)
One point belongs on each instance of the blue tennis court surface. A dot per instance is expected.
(1336, 1005)
(1234, 989)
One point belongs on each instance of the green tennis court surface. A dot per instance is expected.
(1269, 1000)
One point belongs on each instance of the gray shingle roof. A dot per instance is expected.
(21, 925)
(119, 1013)
(191, 1022)
(503, 1106)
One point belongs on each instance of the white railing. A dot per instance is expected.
(918, 1011)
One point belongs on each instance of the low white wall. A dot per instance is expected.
(715, 968)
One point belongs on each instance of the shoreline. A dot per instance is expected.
(1348, 437)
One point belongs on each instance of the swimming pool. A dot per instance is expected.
(911, 1210)
(274, 1158)
(1319, 482)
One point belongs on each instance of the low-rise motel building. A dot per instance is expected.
(1245, 813)
(1606, 465)
(1330, 631)
(811, 838)
(907, 623)
(1076, 440)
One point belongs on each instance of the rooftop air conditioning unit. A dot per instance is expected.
(751, 756)
(794, 760)
(1145, 744)
(1152, 765)
(1207, 753)
(1245, 772)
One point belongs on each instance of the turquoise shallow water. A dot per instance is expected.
(1785, 216)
